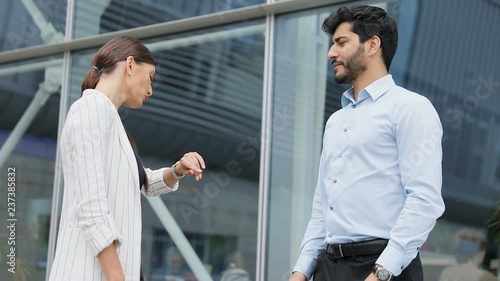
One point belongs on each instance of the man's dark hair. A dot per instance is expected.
(367, 21)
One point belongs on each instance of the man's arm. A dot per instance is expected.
(418, 136)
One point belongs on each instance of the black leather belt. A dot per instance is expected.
(370, 247)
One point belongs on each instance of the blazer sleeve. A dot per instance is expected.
(156, 184)
(92, 118)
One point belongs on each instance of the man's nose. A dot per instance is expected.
(332, 53)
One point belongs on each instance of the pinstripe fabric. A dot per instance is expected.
(101, 201)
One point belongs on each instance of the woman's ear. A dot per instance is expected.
(129, 64)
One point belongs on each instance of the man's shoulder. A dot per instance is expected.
(407, 96)
(408, 99)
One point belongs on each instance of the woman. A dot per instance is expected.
(100, 230)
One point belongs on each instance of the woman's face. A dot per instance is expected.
(139, 79)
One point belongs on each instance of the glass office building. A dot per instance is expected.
(246, 83)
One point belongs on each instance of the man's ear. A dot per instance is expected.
(374, 44)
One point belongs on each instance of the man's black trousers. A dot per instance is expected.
(357, 268)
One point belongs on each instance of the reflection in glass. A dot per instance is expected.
(29, 112)
(469, 247)
(97, 17)
(29, 23)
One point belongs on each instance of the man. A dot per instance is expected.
(378, 193)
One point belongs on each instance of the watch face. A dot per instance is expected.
(383, 274)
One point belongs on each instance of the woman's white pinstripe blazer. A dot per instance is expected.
(101, 201)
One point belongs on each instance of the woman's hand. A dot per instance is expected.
(191, 164)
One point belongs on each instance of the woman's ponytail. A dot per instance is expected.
(91, 79)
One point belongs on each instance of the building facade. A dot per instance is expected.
(246, 83)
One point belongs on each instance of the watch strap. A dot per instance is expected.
(177, 177)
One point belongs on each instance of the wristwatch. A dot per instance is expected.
(177, 177)
(381, 273)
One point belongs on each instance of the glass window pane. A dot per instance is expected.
(298, 109)
(28, 90)
(31, 22)
(207, 98)
(96, 17)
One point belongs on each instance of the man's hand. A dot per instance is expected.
(297, 276)
(371, 277)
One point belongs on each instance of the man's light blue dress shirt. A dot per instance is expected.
(379, 176)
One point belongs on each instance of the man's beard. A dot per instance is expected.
(353, 67)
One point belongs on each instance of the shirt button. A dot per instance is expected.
(331, 207)
(340, 155)
(353, 106)
(329, 235)
(334, 180)
(345, 129)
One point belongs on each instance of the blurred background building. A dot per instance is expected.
(247, 84)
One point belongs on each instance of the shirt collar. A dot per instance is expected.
(375, 90)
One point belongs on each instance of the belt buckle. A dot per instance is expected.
(340, 250)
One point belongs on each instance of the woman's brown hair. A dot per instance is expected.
(116, 50)
(104, 61)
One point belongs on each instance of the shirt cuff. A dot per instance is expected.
(393, 260)
(156, 184)
(305, 265)
(101, 234)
